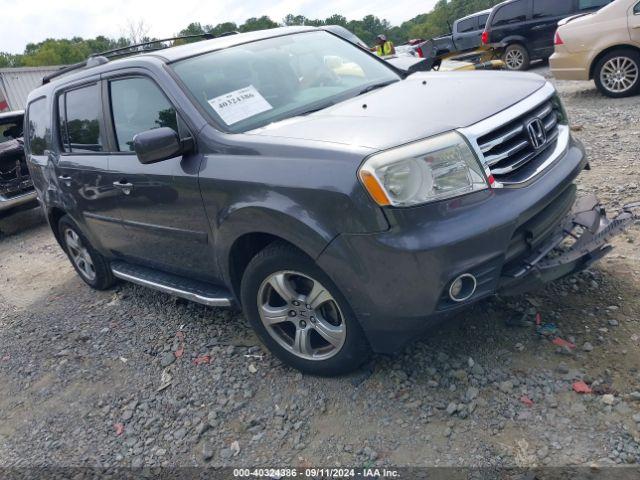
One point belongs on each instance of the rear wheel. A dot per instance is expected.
(299, 313)
(92, 267)
(516, 57)
(617, 74)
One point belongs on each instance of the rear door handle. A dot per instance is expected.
(541, 27)
(66, 179)
(123, 185)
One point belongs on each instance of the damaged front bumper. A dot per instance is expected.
(580, 240)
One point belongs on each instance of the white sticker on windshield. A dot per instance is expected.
(233, 107)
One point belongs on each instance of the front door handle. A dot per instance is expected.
(541, 27)
(123, 185)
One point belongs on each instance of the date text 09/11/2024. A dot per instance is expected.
(316, 473)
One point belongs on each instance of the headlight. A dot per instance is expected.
(434, 169)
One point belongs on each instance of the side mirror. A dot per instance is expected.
(158, 144)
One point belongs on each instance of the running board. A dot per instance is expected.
(196, 291)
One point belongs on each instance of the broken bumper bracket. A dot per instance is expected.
(581, 239)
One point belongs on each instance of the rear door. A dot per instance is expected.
(160, 204)
(82, 166)
(466, 34)
(544, 23)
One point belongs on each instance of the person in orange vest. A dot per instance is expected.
(384, 47)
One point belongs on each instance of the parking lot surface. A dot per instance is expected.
(132, 377)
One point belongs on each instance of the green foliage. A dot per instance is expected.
(426, 25)
(253, 24)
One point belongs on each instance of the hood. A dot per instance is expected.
(420, 106)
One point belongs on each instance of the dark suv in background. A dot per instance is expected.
(344, 205)
(526, 28)
(16, 188)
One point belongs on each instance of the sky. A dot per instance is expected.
(28, 21)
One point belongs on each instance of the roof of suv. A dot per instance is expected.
(477, 14)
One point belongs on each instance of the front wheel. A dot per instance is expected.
(516, 57)
(617, 74)
(300, 315)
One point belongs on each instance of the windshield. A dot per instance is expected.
(251, 85)
(10, 130)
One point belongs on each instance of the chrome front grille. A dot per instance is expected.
(513, 145)
(520, 142)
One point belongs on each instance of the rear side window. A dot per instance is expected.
(482, 21)
(595, 4)
(38, 127)
(138, 105)
(636, 9)
(468, 25)
(511, 13)
(551, 8)
(80, 114)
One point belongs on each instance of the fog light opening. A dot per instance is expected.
(463, 288)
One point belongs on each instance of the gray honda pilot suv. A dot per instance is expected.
(343, 204)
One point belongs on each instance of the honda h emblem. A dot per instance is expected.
(537, 133)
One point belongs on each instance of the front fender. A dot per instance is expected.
(291, 223)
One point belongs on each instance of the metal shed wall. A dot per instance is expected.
(16, 83)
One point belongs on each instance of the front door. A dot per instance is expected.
(160, 204)
(82, 170)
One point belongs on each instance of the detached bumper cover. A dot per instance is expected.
(580, 240)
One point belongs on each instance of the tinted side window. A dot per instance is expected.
(138, 105)
(551, 8)
(482, 21)
(39, 128)
(80, 115)
(511, 13)
(595, 4)
(636, 9)
(468, 25)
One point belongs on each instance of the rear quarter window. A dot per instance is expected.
(636, 9)
(511, 13)
(38, 138)
(482, 21)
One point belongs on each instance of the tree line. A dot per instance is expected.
(427, 25)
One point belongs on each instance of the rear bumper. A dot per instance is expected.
(7, 203)
(569, 66)
(397, 282)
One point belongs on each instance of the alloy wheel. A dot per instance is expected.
(79, 254)
(301, 315)
(619, 74)
(514, 59)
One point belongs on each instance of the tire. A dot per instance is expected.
(516, 57)
(627, 63)
(84, 258)
(298, 335)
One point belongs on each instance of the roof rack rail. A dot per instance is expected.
(99, 57)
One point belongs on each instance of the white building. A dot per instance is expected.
(16, 83)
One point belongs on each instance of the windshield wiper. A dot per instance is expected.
(315, 109)
(375, 86)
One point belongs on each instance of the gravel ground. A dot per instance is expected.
(131, 377)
